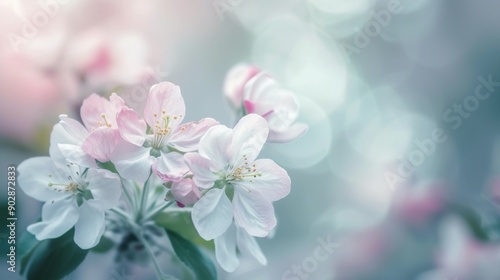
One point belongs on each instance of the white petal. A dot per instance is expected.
(216, 145)
(293, 132)
(186, 137)
(203, 170)
(132, 162)
(105, 187)
(225, 250)
(77, 155)
(63, 135)
(253, 212)
(212, 214)
(90, 225)
(274, 184)
(57, 219)
(74, 129)
(249, 246)
(249, 136)
(170, 167)
(260, 86)
(36, 173)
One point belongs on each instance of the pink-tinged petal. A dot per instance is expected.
(225, 250)
(259, 87)
(94, 106)
(249, 106)
(90, 225)
(170, 167)
(274, 184)
(203, 170)
(212, 214)
(75, 154)
(132, 162)
(116, 102)
(105, 187)
(74, 129)
(284, 107)
(101, 143)
(247, 245)
(186, 137)
(132, 128)
(216, 145)
(253, 212)
(34, 177)
(164, 97)
(236, 79)
(293, 132)
(249, 136)
(185, 192)
(57, 218)
(277, 105)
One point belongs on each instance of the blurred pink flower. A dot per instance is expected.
(234, 84)
(105, 60)
(494, 190)
(416, 204)
(461, 255)
(278, 106)
(27, 96)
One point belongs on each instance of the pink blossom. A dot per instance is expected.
(234, 84)
(264, 96)
(163, 143)
(185, 192)
(96, 140)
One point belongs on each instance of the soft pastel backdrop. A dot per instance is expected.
(367, 103)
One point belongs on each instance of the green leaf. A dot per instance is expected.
(193, 257)
(473, 220)
(104, 245)
(27, 244)
(54, 258)
(108, 165)
(181, 223)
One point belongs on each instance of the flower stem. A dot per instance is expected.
(154, 212)
(144, 197)
(129, 198)
(122, 214)
(159, 273)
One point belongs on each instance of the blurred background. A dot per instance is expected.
(400, 168)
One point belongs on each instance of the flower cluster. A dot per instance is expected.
(206, 168)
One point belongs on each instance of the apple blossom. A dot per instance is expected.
(234, 84)
(236, 238)
(205, 165)
(97, 139)
(235, 183)
(264, 96)
(185, 192)
(159, 138)
(74, 196)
